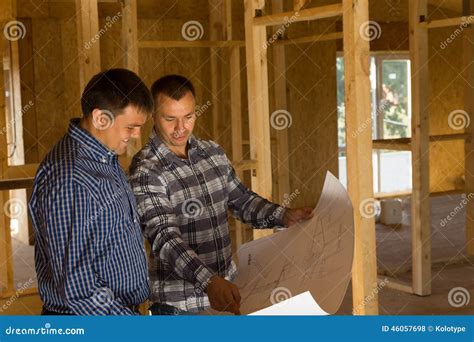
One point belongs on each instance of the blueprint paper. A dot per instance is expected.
(302, 304)
(314, 256)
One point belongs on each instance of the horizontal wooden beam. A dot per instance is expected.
(314, 13)
(407, 193)
(396, 284)
(245, 165)
(403, 144)
(447, 22)
(18, 183)
(160, 44)
(310, 39)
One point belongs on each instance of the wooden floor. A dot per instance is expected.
(451, 267)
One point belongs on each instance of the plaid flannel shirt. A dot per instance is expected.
(89, 252)
(183, 206)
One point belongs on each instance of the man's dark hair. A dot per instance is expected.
(174, 86)
(115, 89)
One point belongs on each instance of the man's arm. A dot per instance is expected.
(161, 229)
(249, 207)
(67, 223)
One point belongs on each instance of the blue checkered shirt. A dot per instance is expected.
(89, 251)
(183, 205)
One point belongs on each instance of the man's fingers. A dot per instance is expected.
(236, 294)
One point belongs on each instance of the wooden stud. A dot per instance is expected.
(7, 13)
(310, 39)
(404, 144)
(235, 109)
(396, 284)
(314, 13)
(420, 200)
(217, 32)
(280, 102)
(160, 44)
(258, 101)
(87, 21)
(359, 154)
(130, 43)
(130, 35)
(468, 53)
(445, 22)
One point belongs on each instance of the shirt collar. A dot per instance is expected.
(160, 146)
(91, 146)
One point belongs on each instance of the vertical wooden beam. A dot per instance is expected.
(15, 138)
(259, 116)
(280, 102)
(235, 108)
(130, 35)
(217, 31)
(468, 53)
(130, 61)
(7, 14)
(359, 154)
(87, 21)
(420, 199)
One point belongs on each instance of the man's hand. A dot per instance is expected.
(296, 215)
(223, 295)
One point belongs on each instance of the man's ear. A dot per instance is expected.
(102, 119)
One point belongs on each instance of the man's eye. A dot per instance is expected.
(169, 119)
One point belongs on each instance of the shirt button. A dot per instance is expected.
(104, 160)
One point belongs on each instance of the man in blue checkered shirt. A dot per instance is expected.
(89, 251)
(184, 188)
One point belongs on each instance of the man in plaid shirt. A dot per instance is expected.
(184, 187)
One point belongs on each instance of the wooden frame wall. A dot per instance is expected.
(359, 149)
